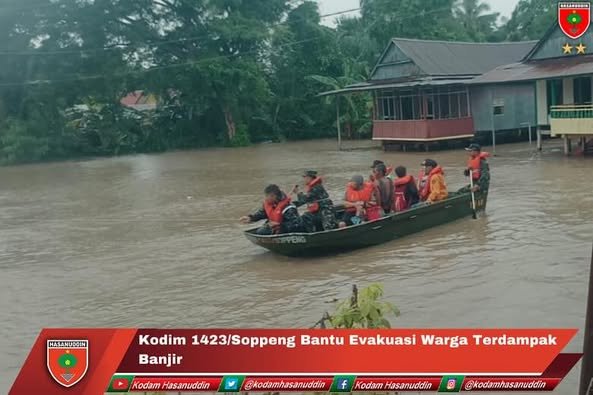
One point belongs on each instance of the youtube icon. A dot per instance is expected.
(120, 383)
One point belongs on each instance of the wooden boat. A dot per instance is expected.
(366, 234)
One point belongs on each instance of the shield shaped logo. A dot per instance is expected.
(67, 360)
(574, 18)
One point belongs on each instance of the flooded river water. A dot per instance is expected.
(154, 241)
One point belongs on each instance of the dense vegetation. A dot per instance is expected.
(226, 72)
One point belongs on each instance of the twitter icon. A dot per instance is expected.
(231, 384)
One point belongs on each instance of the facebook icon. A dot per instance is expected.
(343, 384)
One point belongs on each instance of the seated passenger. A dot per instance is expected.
(358, 198)
(282, 216)
(320, 215)
(384, 186)
(406, 192)
(434, 189)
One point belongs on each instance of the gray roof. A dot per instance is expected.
(542, 69)
(442, 58)
(427, 81)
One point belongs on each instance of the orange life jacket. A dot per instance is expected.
(313, 207)
(425, 192)
(363, 195)
(474, 164)
(422, 181)
(275, 212)
(400, 186)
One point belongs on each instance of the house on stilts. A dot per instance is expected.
(437, 92)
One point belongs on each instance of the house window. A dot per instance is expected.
(463, 107)
(582, 90)
(444, 110)
(442, 103)
(554, 93)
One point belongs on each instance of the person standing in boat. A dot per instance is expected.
(281, 214)
(320, 208)
(435, 188)
(480, 170)
(384, 187)
(406, 191)
(388, 171)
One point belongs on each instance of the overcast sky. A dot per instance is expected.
(504, 7)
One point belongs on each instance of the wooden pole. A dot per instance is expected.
(539, 139)
(338, 122)
(587, 365)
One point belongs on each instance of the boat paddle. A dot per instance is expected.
(471, 184)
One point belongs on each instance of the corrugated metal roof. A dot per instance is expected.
(543, 69)
(462, 58)
(402, 84)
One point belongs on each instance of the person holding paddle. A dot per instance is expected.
(478, 169)
(281, 214)
(320, 213)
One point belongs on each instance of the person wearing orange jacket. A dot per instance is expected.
(405, 190)
(320, 215)
(480, 170)
(358, 198)
(435, 188)
(282, 216)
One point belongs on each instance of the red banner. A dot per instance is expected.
(282, 360)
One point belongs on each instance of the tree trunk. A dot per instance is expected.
(338, 123)
(230, 123)
(349, 130)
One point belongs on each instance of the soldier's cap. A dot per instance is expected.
(474, 147)
(381, 168)
(429, 162)
(377, 162)
(310, 173)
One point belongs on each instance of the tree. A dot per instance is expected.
(478, 23)
(531, 19)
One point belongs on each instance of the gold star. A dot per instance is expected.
(567, 48)
(580, 49)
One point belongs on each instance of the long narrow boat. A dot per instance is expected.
(391, 227)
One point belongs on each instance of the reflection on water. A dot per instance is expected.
(153, 240)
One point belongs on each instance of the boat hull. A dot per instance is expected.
(368, 234)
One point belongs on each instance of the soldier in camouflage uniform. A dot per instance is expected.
(281, 214)
(320, 213)
(480, 170)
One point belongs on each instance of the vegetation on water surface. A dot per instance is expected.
(364, 309)
(224, 72)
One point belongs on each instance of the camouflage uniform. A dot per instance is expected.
(291, 223)
(325, 217)
(483, 182)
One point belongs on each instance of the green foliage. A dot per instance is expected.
(364, 309)
(226, 72)
(241, 137)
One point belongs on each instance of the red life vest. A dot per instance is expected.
(313, 207)
(400, 187)
(474, 164)
(425, 192)
(422, 181)
(275, 212)
(363, 195)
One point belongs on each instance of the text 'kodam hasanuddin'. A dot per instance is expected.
(350, 340)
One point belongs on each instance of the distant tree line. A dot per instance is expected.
(225, 72)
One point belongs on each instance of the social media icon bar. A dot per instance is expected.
(120, 383)
(451, 384)
(343, 383)
(231, 383)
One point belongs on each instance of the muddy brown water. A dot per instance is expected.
(153, 241)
